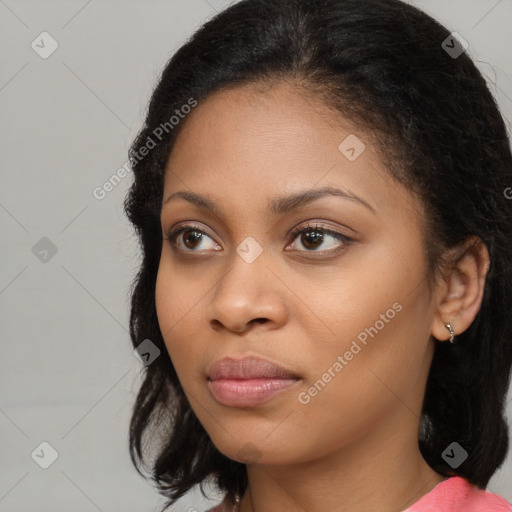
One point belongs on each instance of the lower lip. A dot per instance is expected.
(247, 392)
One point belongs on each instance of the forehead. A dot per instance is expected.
(256, 142)
(258, 119)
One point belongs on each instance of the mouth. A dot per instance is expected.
(248, 382)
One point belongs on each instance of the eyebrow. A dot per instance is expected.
(277, 206)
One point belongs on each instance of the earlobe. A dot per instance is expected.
(460, 294)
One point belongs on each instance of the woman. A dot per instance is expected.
(320, 195)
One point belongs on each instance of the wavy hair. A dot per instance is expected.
(382, 65)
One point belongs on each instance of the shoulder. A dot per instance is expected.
(458, 494)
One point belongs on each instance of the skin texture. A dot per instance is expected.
(354, 445)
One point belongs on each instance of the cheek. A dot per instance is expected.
(166, 302)
(177, 305)
(178, 295)
(375, 317)
(363, 293)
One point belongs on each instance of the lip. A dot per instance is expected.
(248, 381)
(249, 367)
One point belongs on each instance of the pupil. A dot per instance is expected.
(313, 238)
(194, 235)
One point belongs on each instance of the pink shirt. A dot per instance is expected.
(455, 494)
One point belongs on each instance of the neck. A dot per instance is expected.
(382, 473)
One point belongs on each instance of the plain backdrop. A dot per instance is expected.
(68, 375)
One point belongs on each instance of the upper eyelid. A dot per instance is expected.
(306, 224)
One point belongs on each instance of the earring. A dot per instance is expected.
(452, 337)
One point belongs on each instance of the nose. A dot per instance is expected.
(241, 327)
(247, 296)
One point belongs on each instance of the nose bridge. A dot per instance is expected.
(246, 291)
(245, 278)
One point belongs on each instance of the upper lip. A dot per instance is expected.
(247, 368)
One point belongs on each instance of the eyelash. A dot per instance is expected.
(293, 235)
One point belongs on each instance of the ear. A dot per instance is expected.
(459, 294)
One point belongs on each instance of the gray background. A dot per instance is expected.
(68, 375)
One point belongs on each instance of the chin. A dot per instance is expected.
(249, 452)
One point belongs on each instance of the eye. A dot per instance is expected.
(193, 238)
(312, 237)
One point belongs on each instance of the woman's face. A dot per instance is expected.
(350, 319)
